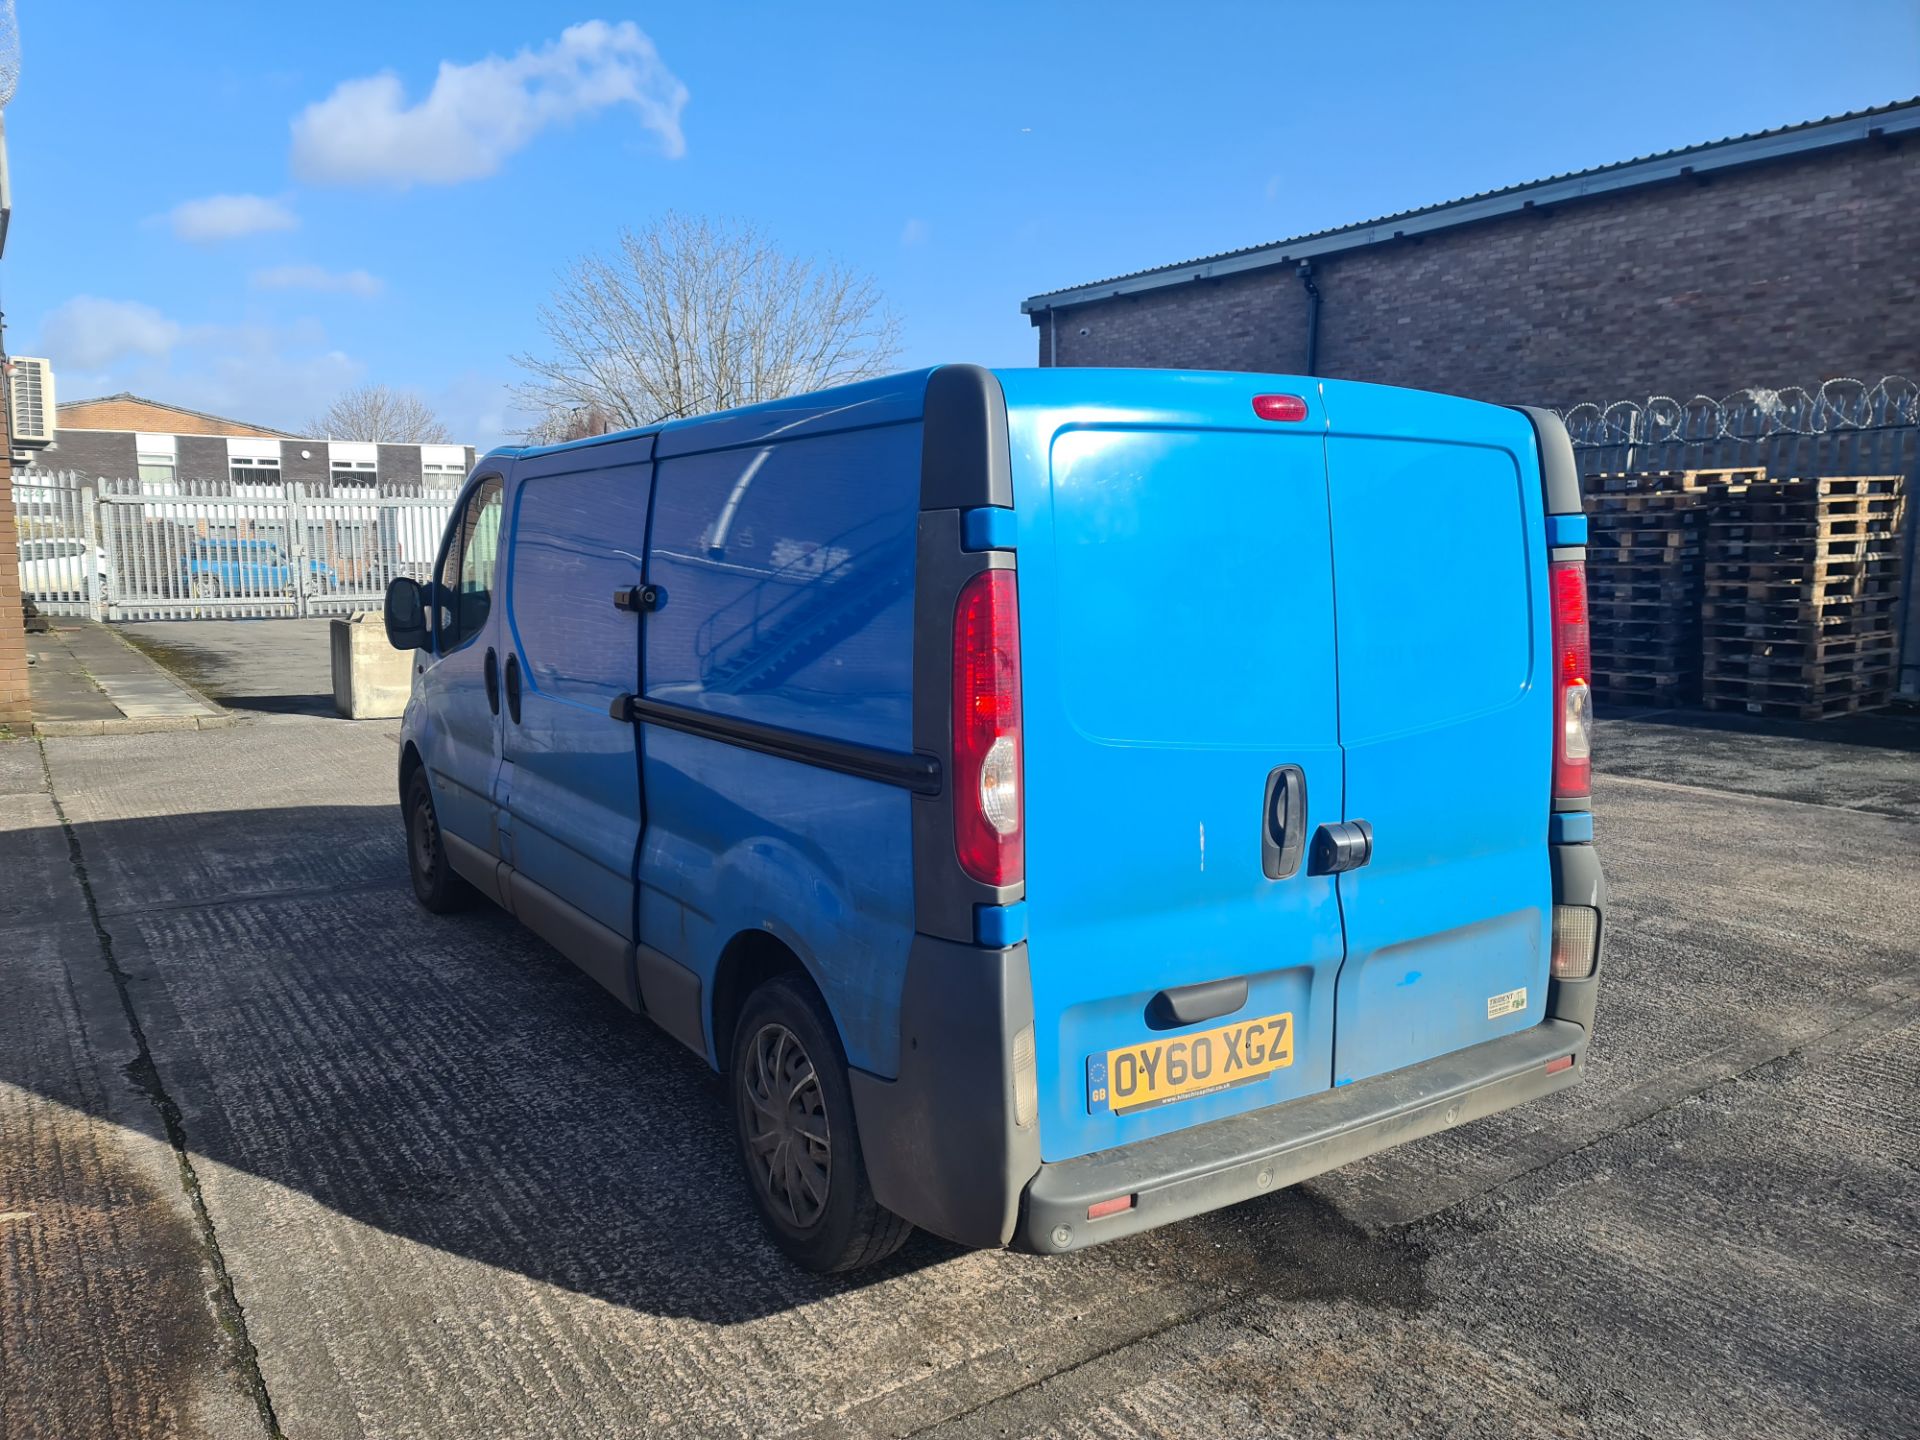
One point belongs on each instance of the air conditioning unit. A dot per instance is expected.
(30, 400)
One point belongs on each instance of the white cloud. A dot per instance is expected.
(479, 114)
(317, 277)
(272, 375)
(915, 232)
(228, 217)
(87, 333)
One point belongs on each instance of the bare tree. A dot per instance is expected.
(379, 412)
(691, 315)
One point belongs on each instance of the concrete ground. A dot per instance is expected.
(261, 667)
(86, 679)
(284, 1154)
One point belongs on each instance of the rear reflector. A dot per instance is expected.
(1572, 670)
(1554, 1067)
(1576, 941)
(987, 806)
(1111, 1207)
(1279, 407)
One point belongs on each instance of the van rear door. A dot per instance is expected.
(1177, 637)
(1445, 719)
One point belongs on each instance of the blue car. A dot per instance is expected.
(1060, 802)
(222, 567)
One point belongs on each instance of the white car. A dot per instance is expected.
(57, 568)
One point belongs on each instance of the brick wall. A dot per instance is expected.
(201, 457)
(96, 454)
(119, 412)
(1788, 272)
(312, 471)
(400, 464)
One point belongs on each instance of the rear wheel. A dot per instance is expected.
(435, 884)
(794, 1116)
(206, 587)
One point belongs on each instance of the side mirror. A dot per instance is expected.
(406, 615)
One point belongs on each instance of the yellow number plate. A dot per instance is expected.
(1159, 1072)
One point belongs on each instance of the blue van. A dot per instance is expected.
(1059, 801)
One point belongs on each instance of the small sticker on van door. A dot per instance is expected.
(1509, 1003)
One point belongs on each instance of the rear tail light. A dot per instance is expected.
(1119, 1205)
(1576, 941)
(1572, 670)
(987, 806)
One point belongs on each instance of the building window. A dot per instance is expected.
(353, 473)
(436, 472)
(156, 472)
(253, 470)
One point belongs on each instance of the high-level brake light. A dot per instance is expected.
(1279, 407)
(987, 809)
(1572, 672)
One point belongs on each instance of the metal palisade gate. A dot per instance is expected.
(128, 549)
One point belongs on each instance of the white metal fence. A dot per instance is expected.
(194, 549)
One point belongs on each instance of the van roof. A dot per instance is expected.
(890, 397)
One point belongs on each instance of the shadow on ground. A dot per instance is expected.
(453, 1081)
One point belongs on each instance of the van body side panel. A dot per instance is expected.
(1445, 719)
(579, 524)
(786, 566)
(1176, 605)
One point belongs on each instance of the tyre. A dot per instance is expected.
(793, 1114)
(435, 884)
(206, 587)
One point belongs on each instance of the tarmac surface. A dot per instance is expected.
(282, 1153)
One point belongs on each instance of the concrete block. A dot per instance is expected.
(371, 679)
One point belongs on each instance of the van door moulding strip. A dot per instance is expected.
(918, 773)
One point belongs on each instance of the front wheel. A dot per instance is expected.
(435, 885)
(794, 1116)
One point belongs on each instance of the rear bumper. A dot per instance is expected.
(950, 1145)
(1189, 1172)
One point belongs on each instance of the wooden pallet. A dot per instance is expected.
(1795, 645)
(1824, 709)
(1871, 566)
(1877, 666)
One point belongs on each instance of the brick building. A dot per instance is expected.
(120, 437)
(1774, 259)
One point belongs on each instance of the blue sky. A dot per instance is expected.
(245, 208)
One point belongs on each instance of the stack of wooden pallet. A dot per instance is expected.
(1800, 606)
(1646, 545)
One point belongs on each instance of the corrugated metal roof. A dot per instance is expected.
(1736, 150)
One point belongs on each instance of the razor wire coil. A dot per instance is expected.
(1756, 413)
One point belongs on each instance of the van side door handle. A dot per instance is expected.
(1283, 822)
(490, 672)
(513, 687)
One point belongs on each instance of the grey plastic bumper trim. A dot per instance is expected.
(1192, 1171)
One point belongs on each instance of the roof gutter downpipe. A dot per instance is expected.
(1313, 317)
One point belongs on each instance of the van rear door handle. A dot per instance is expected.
(513, 687)
(1190, 1004)
(1283, 822)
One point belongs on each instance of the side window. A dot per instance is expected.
(789, 572)
(576, 539)
(466, 572)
